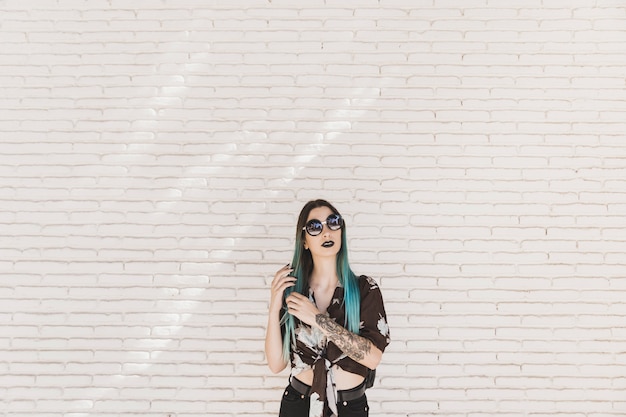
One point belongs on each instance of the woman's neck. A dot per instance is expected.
(324, 274)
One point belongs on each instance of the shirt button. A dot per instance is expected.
(302, 396)
(345, 403)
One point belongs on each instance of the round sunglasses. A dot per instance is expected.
(314, 227)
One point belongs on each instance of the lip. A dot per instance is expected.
(328, 244)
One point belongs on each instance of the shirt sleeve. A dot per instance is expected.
(374, 325)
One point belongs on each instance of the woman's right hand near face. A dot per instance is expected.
(282, 280)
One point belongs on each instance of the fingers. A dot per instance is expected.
(296, 297)
(295, 300)
(285, 285)
(282, 280)
(293, 303)
(282, 275)
(302, 308)
(279, 284)
(283, 272)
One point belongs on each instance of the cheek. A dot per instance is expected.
(338, 242)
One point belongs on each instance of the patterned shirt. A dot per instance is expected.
(313, 351)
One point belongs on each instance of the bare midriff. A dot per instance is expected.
(343, 379)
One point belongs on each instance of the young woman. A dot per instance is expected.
(329, 324)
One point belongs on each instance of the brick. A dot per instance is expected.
(155, 163)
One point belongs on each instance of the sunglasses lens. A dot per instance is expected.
(334, 222)
(314, 227)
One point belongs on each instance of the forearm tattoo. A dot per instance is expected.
(353, 345)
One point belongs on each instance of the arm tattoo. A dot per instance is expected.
(353, 345)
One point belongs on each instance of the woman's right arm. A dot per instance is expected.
(273, 335)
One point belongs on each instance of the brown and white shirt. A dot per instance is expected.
(312, 351)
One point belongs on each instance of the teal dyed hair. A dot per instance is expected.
(302, 264)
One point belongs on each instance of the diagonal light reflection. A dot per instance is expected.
(185, 311)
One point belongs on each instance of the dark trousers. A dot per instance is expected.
(295, 404)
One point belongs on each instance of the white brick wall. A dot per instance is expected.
(155, 154)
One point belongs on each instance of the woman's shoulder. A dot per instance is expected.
(367, 283)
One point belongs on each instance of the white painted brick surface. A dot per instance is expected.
(154, 157)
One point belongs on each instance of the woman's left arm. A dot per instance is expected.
(358, 348)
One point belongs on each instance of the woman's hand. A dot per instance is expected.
(280, 283)
(273, 337)
(301, 307)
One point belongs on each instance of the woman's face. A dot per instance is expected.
(327, 243)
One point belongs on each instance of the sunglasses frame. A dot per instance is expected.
(325, 222)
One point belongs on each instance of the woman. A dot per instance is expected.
(323, 319)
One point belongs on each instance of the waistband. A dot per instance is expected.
(343, 395)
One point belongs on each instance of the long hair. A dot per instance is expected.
(302, 264)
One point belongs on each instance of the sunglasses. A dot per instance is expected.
(314, 227)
